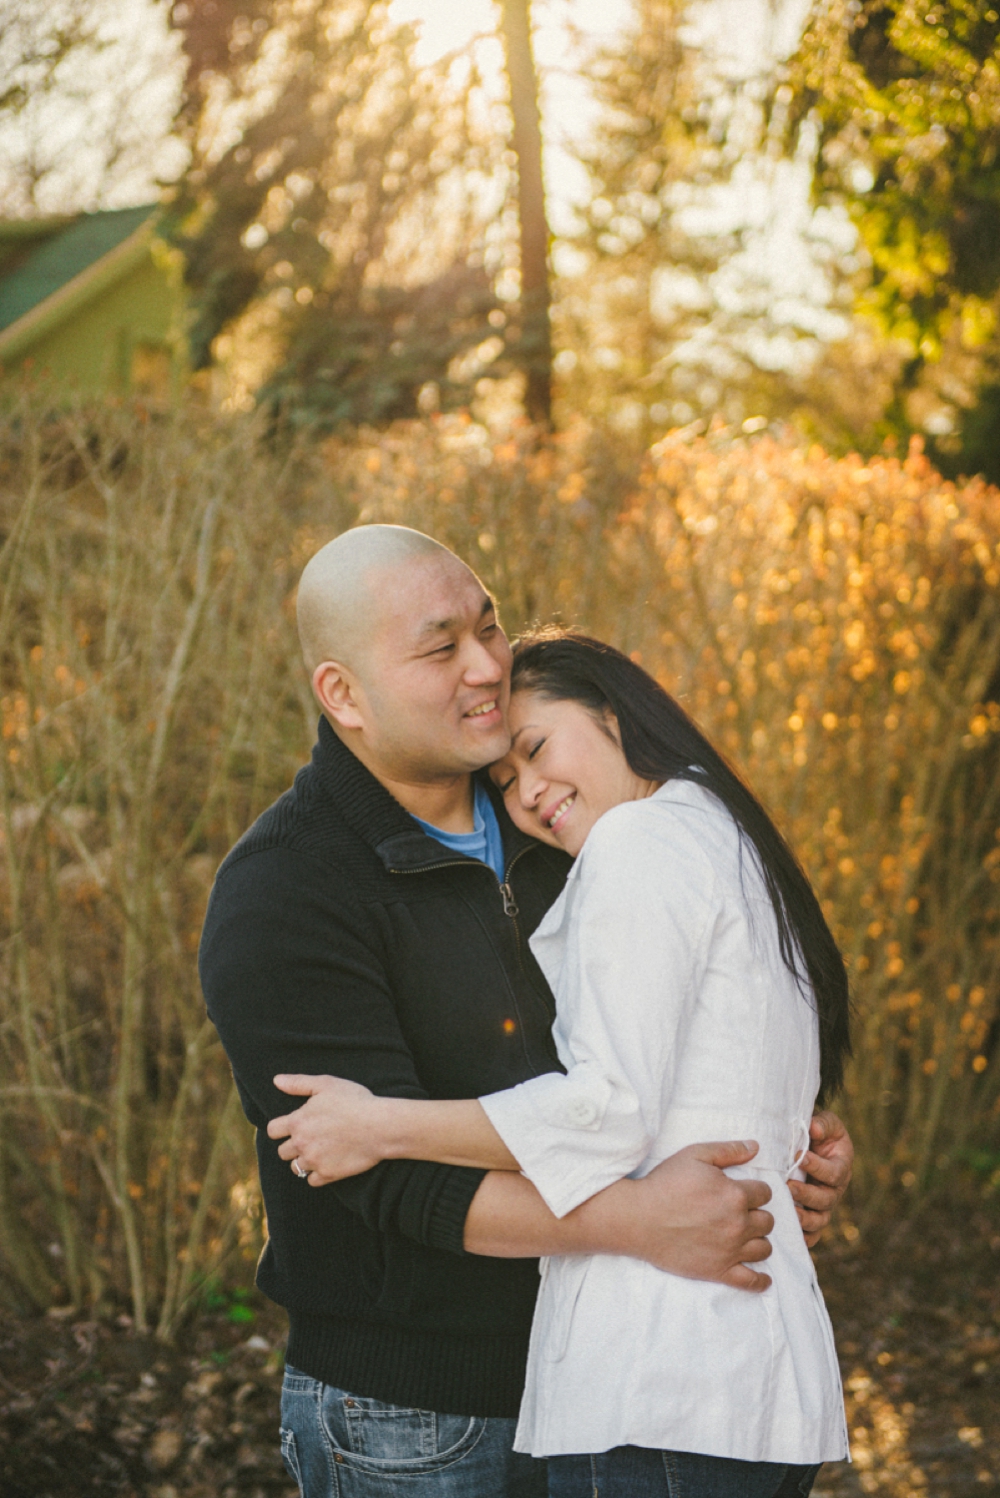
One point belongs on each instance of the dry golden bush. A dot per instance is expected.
(835, 626)
(150, 709)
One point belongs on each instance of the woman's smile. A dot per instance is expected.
(565, 768)
(557, 818)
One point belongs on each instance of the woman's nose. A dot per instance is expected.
(530, 786)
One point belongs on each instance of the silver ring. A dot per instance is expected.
(303, 1175)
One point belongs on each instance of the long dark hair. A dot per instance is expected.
(660, 742)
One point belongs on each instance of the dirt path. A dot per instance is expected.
(89, 1409)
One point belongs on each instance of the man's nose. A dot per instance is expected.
(481, 667)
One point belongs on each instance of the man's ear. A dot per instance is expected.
(336, 693)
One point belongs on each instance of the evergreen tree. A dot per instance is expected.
(684, 312)
(638, 153)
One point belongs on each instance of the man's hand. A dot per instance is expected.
(697, 1222)
(686, 1216)
(335, 1132)
(828, 1167)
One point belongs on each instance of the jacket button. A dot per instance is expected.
(349, 1404)
(581, 1112)
(338, 1457)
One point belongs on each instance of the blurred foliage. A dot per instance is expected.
(977, 449)
(319, 154)
(349, 216)
(907, 96)
(379, 353)
(640, 149)
(681, 313)
(834, 625)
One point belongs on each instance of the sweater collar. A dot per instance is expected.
(379, 820)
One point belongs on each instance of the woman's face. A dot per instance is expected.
(564, 769)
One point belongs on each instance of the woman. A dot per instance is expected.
(699, 995)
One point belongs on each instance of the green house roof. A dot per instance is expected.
(62, 256)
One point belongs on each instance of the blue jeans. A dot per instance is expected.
(338, 1445)
(635, 1472)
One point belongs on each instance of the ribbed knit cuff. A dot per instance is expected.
(448, 1207)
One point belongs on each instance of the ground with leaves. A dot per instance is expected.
(91, 1409)
(917, 1318)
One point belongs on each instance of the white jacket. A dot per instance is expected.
(677, 1022)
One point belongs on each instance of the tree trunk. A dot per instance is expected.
(536, 336)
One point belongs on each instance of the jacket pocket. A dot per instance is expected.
(562, 1281)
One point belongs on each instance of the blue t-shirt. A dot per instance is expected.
(483, 842)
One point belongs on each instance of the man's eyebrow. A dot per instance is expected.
(442, 626)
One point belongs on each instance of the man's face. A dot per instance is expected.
(435, 681)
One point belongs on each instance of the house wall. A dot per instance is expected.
(126, 339)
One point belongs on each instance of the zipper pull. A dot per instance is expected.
(509, 903)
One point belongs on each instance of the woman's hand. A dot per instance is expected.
(334, 1134)
(342, 1129)
(828, 1166)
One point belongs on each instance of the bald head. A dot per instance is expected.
(408, 663)
(338, 597)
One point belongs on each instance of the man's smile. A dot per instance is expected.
(485, 709)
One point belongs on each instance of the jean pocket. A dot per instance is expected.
(374, 1437)
(290, 1456)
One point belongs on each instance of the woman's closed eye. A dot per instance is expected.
(534, 750)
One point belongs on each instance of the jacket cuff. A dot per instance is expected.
(449, 1207)
(571, 1135)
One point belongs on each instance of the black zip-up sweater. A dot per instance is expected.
(341, 939)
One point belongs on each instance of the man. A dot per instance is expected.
(373, 924)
